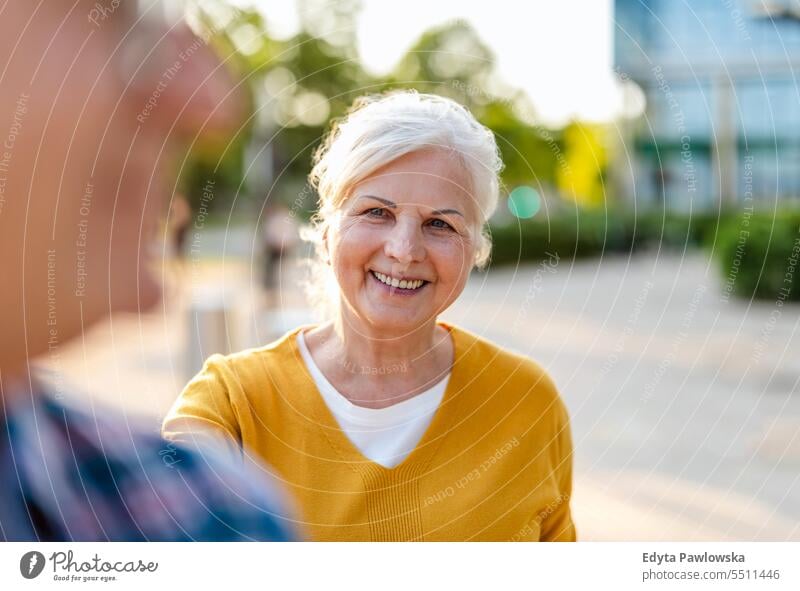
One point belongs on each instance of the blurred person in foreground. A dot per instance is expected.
(387, 423)
(84, 177)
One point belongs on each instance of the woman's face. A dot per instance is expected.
(402, 245)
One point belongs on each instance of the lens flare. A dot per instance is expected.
(524, 202)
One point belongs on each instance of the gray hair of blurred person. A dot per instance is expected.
(377, 130)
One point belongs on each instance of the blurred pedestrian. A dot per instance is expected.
(279, 237)
(178, 224)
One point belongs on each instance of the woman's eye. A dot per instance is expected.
(441, 224)
(375, 212)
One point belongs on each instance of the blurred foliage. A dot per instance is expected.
(760, 250)
(577, 232)
(529, 154)
(571, 234)
(296, 85)
(760, 254)
(450, 56)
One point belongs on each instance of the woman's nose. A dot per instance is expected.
(405, 242)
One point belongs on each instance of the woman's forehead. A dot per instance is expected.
(432, 179)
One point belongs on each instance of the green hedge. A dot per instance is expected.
(586, 233)
(762, 247)
(757, 256)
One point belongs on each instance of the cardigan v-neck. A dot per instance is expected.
(416, 460)
(385, 435)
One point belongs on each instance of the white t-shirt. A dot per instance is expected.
(384, 435)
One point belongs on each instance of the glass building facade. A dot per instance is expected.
(722, 117)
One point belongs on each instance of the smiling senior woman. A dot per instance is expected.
(384, 423)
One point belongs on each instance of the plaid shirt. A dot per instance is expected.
(71, 476)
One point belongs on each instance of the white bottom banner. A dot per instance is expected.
(353, 566)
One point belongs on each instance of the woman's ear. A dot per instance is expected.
(483, 251)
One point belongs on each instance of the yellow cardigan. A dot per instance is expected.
(495, 464)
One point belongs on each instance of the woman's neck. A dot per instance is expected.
(376, 348)
(377, 370)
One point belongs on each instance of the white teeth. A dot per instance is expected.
(401, 283)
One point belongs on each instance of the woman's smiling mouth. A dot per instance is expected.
(396, 285)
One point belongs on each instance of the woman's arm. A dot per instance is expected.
(203, 416)
(557, 526)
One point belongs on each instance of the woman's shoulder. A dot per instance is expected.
(490, 365)
(281, 349)
(257, 366)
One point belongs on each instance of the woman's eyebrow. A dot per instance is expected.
(446, 211)
(393, 205)
(386, 202)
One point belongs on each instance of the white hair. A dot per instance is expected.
(379, 129)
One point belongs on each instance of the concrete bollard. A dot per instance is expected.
(208, 328)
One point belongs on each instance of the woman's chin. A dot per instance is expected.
(392, 313)
(394, 321)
